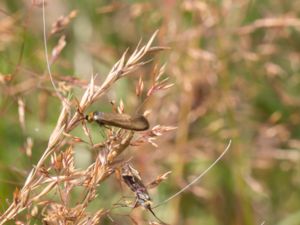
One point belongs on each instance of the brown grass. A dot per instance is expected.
(55, 170)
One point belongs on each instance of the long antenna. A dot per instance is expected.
(150, 209)
(47, 58)
(197, 178)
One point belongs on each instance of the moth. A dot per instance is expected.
(125, 121)
(133, 180)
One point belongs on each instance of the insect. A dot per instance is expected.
(133, 180)
(125, 121)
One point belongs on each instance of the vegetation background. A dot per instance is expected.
(235, 65)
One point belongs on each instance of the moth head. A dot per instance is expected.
(143, 197)
(146, 204)
(92, 116)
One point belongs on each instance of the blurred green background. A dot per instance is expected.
(235, 66)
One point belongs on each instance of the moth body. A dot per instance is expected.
(125, 121)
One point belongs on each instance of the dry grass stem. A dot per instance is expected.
(47, 177)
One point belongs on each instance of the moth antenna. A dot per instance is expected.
(197, 178)
(152, 212)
